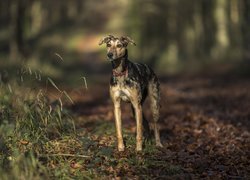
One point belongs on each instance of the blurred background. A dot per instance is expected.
(172, 36)
(54, 88)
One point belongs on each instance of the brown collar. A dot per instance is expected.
(117, 74)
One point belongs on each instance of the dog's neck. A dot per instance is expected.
(120, 65)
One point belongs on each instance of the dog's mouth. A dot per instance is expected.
(113, 59)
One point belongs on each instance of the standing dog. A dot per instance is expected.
(131, 82)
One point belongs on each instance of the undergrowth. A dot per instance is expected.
(39, 140)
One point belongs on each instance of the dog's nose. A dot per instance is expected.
(110, 55)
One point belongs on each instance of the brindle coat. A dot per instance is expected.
(131, 82)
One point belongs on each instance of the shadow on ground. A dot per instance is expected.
(205, 121)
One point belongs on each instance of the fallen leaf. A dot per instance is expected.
(24, 142)
(75, 165)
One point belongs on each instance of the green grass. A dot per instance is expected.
(40, 140)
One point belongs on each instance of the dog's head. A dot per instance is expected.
(116, 47)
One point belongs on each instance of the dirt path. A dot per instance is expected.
(205, 122)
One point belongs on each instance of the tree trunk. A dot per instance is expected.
(222, 37)
(245, 29)
(17, 28)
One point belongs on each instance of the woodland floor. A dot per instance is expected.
(205, 124)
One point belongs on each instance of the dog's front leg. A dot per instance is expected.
(118, 124)
(138, 115)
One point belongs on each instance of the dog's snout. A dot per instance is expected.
(110, 55)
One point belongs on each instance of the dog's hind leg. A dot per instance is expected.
(154, 95)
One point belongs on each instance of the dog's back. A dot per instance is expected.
(144, 75)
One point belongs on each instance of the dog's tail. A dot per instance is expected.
(154, 94)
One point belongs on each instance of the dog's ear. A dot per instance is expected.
(127, 40)
(105, 39)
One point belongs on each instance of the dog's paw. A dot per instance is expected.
(159, 144)
(121, 148)
(139, 147)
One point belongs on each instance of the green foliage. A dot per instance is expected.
(28, 124)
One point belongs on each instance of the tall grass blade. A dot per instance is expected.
(58, 55)
(85, 82)
(66, 94)
(10, 89)
(53, 84)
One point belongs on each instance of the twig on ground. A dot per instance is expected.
(68, 155)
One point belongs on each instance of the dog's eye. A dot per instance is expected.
(108, 45)
(119, 45)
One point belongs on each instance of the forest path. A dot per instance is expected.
(204, 122)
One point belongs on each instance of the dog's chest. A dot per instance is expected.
(123, 89)
(122, 92)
